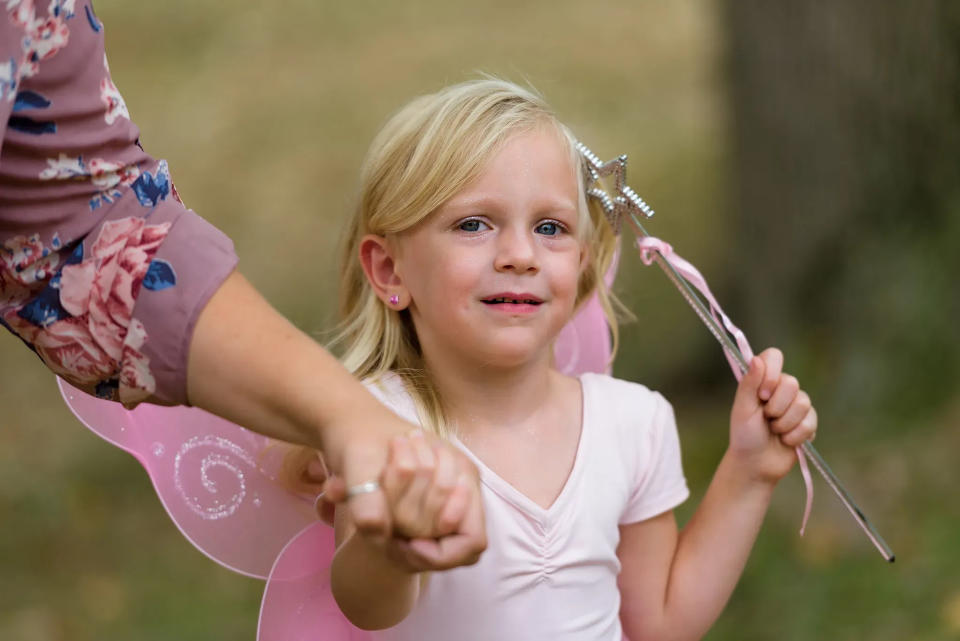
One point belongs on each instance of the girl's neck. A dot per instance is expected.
(498, 398)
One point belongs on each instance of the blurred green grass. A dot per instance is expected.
(264, 112)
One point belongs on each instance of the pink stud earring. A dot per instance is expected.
(394, 299)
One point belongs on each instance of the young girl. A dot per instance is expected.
(472, 246)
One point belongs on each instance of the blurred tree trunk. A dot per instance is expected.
(846, 129)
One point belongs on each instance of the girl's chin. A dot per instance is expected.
(516, 354)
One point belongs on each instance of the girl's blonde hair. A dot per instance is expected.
(426, 153)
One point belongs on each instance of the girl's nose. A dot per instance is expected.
(516, 252)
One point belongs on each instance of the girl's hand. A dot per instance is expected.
(771, 416)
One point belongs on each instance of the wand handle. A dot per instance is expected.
(721, 334)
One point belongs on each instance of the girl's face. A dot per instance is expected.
(492, 275)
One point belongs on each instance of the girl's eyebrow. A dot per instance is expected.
(474, 202)
(490, 202)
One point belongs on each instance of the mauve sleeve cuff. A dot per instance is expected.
(199, 257)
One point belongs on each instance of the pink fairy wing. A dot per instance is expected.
(298, 604)
(584, 345)
(218, 483)
(216, 479)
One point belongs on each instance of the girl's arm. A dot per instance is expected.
(373, 590)
(375, 580)
(674, 585)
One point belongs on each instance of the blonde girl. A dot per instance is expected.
(471, 247)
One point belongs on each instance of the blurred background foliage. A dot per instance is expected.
(803, 155)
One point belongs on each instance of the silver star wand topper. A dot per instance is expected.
(626, 204)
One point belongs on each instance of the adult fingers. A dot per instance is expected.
(400, 470)
(408, 480)
(363, 463)
(445, 553)
(426, 467)
(455, 509)
(445, 478)
(462, 548)
(409, 517)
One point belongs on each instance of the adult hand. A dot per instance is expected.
(432, 489)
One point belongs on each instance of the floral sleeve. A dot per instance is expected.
(103, 271)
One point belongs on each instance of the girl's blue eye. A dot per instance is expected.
(548, 228)
(471, 225)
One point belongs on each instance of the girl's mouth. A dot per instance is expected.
(511, 301)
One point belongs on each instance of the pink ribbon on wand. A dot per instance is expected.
(689, 282)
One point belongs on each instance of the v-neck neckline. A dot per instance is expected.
(520, 500)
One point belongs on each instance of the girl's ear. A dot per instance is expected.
(377, 259)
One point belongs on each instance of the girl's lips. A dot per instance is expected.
(513, 307)
(512, 298)
(513, 303)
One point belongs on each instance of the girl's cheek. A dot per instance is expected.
(568, 281)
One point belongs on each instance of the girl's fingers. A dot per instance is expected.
(795, 413)
(334, 489)
(805, 431)
(773, 360)
(316, 471)
(745, 401)
(784, 395)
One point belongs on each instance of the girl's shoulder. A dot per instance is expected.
(625, 401)
(610, 386)
(390, 390)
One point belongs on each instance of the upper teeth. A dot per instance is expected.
(512, 300)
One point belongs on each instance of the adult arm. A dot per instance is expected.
(127, 294)
(250, 365)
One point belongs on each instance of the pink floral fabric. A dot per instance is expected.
(101, 336)
(103, 271)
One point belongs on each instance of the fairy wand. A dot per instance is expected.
(626, 204)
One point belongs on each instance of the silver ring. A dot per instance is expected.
(363, 488)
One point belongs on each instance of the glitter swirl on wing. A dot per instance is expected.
(216, 453)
